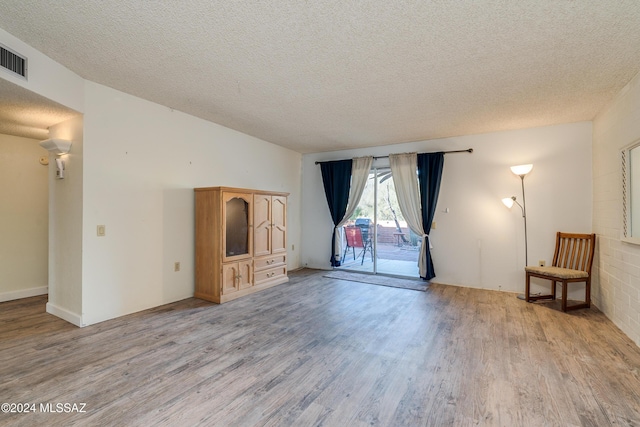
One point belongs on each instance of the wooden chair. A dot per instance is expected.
(572, 262)
(354, 240)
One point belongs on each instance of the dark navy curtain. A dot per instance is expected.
(430, 167)
(336, 177)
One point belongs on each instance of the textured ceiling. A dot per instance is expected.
(325, 74)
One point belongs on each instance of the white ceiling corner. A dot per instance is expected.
(27, 114)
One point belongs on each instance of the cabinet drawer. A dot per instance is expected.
(275, 274)
(269, 262)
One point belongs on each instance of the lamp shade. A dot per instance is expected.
(508, 202)
(521, 169)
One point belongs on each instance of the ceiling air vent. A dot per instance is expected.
(11, 61)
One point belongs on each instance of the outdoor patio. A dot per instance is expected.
(392, 259)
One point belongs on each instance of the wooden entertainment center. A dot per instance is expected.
(241, 242)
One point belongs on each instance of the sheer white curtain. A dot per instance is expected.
(360, 169)
(404, 169)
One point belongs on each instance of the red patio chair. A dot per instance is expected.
(354, 240)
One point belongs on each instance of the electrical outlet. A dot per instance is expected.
(433, 225)
(176, 266)
(541, 263)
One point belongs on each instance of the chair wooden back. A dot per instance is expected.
(574, 251)
(354, 236)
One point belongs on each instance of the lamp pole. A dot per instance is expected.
(522, 171)
(524, 216)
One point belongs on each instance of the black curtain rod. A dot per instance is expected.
(468, 150)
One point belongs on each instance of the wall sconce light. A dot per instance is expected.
(57, 147)
(521, 171)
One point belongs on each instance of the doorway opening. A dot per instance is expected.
(376, 239)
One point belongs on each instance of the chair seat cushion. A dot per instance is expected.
(557, 272)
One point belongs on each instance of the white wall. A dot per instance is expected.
(24, 195)
(480, 243)
(617, 290)
(141, 163)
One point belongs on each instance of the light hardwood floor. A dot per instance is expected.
(319, 351)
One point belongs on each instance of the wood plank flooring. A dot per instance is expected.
(320, 351)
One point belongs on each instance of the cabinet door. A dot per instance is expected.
(262, 224)
(230, 273)
(245, 280)
(237, 216)
(236, 276)
(279, 222)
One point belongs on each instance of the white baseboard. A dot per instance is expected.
(23, 293)
(64, 314)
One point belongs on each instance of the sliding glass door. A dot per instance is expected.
(376, 238)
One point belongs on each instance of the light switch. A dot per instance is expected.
(102, 230)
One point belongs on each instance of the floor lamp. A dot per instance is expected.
(521, 171)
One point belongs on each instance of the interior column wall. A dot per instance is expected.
(65, 226)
